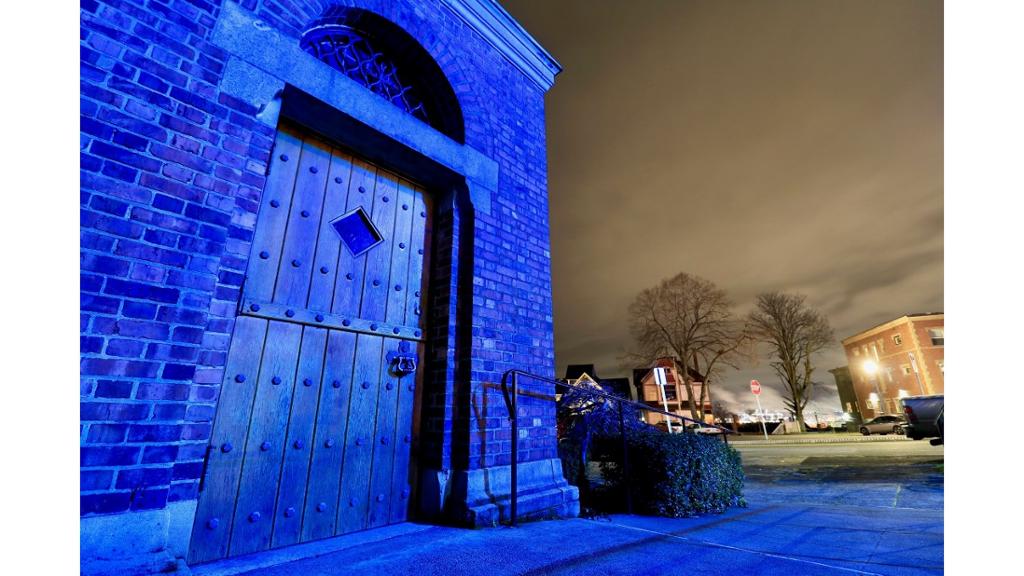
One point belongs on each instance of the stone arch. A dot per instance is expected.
(386, 59)
(438, 33)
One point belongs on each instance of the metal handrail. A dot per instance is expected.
(512, 403)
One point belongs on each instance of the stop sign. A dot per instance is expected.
(755, 387)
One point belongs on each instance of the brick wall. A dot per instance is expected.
(893, 342)
(172, 169)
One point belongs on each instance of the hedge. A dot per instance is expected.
(679, 475)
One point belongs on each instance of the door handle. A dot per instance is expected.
(403, 361)
(405, 364)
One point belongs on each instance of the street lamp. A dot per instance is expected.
(917, 374)
(870, 367)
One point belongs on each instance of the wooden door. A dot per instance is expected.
(314, 425)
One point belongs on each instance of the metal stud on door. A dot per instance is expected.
(313, 431)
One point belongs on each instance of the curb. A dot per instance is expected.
(834, 440)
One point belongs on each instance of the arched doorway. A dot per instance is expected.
(314, 426)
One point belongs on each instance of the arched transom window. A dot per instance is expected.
(354, 53)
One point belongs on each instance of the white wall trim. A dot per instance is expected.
(508, 37)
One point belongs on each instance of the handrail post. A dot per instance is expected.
(625, 461)
(515, 446)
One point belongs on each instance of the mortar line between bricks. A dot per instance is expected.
(747, 550)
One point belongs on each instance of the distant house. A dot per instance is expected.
(617, 386)
(675, 394)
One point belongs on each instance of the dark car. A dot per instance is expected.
(925, 417)
(886, 424)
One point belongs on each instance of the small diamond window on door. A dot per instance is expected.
(357, 231)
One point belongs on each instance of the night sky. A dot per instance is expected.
(783, 145)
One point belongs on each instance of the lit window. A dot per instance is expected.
(937, 335)
(897, 339)
(856, 351)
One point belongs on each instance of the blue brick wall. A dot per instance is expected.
(171, 174)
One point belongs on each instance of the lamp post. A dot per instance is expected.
(913, 364)
(871, 368)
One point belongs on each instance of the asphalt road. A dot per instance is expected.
(901, 474)
(880, 452)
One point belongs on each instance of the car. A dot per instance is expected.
(925, 418)
(885, 424)
(703, 429)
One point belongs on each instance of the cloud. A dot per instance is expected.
(789, 145)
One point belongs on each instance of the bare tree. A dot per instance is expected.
(794, 332)
(690, 319)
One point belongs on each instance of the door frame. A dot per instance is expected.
(272, 73)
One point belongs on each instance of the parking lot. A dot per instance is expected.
(895, 474)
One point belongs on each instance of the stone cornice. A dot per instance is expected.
(890, 324)
(508, 37)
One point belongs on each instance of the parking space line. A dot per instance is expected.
(747, 550)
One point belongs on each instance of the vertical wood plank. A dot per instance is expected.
(273, 216)
(383, 462)
(419, 248)
(261, 470)
(352, 269)
(405, 435)
(212, 528)
(410, 395)
(328, 245)
(359, 442)
(296, 265)
(299, 446)
(378, 259)
(401, 246)
(329, 439)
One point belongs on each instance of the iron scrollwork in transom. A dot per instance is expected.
(353, 54)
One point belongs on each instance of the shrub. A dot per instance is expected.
(670, 474)
(679, 475)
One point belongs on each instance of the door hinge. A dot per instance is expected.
(206, 464)
(241, 295)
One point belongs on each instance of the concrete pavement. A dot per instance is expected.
(813, 510)
(762, 540)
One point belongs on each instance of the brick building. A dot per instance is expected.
(902, 357)
(313, 234)
(847, 395)
(676, 394)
